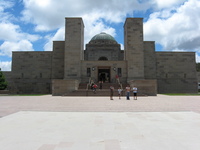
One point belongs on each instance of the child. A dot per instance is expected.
(94, 88)
(119, 92)
(135, 93)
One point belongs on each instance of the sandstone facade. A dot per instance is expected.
(62, 70)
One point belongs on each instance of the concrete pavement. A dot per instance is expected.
(97, 123)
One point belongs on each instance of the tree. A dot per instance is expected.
(3, 83)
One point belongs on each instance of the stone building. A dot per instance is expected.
(68, 66)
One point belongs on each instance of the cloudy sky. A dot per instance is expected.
(32, 25)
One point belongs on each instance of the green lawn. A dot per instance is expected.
(182, 94)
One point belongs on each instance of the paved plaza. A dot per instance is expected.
(97, 123)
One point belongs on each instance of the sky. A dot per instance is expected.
(32, 25)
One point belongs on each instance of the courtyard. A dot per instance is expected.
(97, 123)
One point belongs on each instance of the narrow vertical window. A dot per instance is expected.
(119, 72)
(88, 72)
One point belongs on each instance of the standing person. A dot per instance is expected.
(119, 92)
(111, 92)
(100, 85)
(94, 88)
(128, 89)
(134, 93)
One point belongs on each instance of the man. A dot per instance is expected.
(111, 92)
(134, 93)
(128, 92)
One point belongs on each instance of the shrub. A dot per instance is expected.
(3, 83)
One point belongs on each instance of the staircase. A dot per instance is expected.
(105, 91)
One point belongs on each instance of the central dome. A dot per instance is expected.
(103, 36)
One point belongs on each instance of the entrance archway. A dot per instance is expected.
(104, 74)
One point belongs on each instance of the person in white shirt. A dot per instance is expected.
(135, 93)
(119, 92)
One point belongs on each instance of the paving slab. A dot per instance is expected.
(29, 130)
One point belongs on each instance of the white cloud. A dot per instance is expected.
(92, 27)
(58, 36)
(198, 57)
(173, 26)
(50, 14)
(4, 5)
(5, 66)
(12, 32)
(179, 30)
(7, 47)
(11, 35)
(162, 4)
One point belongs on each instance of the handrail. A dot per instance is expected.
(89, 83)
(119, 82)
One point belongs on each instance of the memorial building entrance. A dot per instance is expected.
(104, 74)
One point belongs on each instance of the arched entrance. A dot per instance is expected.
(104, 74)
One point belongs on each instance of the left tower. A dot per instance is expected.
(74, 43)
(73, 55)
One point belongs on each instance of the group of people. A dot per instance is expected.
(128, 90)
(120, 90)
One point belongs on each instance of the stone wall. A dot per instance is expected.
(198, 76)
(145, 87)
(62, 87)
(31, 86)
(31, 72)
(176, 72)
(58, 60)
(96, 64)
(111, 51)
(149, 60)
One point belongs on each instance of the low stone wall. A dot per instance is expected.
(145, 87)
(177, 85)
(4, 91)
(61, 87)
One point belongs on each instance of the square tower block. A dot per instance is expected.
(74, 42)
(134, 49)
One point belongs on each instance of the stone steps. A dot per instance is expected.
(105, 91)
(104, 85)
(84, 92)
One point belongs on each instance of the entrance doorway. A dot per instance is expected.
(104, 74)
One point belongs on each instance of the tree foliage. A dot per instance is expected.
(3, 83)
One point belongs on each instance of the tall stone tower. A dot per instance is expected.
(74, 44)
(134, 49)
